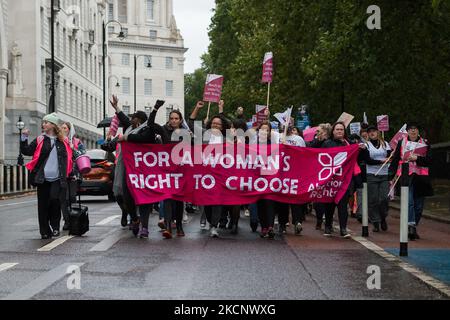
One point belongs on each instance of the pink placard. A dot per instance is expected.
(213, 88)
(268, 68)
(383, 123)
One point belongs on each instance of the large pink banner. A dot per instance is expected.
(237, 174)
(213, 88)
(268, 68)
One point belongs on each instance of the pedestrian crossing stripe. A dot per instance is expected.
(52, 245)
(6, 266)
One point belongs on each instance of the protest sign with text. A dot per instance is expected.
(213, 88)
(228, 174)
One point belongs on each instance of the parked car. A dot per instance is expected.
(99, 181)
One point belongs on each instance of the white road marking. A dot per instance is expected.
(41, 283)
(52, 245)
(6, 266)
(110, 240)
(107, 220)
(16, 203)
(438, 285)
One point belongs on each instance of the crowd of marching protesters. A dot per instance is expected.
(53, 170)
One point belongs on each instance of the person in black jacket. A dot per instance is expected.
(323, 134)
(138, 130)
(419, 182)
(338, 139)
(173, 209)
(48, 171)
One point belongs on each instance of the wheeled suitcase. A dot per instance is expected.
(78, 219)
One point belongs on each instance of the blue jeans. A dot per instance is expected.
(415, 207)
(253, 212)
(161, 210)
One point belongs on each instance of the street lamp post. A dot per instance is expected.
(20, 125)
(121, 36)
(149, 65)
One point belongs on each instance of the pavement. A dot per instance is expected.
(112, 264)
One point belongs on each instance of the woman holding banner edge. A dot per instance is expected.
(338, 139)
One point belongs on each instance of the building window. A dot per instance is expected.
(110, 11)
(123, 11)
(125, 59)
(169, 88)
(153, 34)
(147, 61)
(64, 55)
(169, 63)
(126, 85)
(150, 9)
(110, 29)
(148, 87)
(126, 110)
(169, 110)
(125, 32)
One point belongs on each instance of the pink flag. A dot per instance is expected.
(417, 148)
(383, 123)
(213, 88)
(268, 68)
(114, 126)
(309, 134)
(399, 136)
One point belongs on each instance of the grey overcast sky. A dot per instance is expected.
(193, 19)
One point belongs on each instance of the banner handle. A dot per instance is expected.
(268, 96)
(385, 163)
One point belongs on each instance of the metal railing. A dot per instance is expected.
(14, 179)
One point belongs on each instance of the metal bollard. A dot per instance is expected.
(404, 207)
(365, 211)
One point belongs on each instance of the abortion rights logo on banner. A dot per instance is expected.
(227, 174)
(268, 68)
(213, 88)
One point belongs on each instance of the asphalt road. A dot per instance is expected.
(115, 265)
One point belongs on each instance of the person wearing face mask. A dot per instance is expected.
(49, 169)
(377, 153)
(419, 178)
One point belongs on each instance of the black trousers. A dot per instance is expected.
(320, 209)
(342, 207)
(213, 214)
(126, 203)
(49, 207)
(298, 212)
(173, 210)
(266, 213)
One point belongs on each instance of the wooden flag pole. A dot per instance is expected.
(268, 96)
(209, 108)
(385, 162)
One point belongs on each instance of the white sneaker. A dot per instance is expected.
(203, 226)
(247, 213)
(214, 233)
(185, 218)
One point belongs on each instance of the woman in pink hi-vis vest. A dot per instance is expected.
(419, 182)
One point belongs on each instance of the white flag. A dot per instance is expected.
(285, 117)
(365, 119)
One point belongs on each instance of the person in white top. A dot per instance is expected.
(377, 153)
